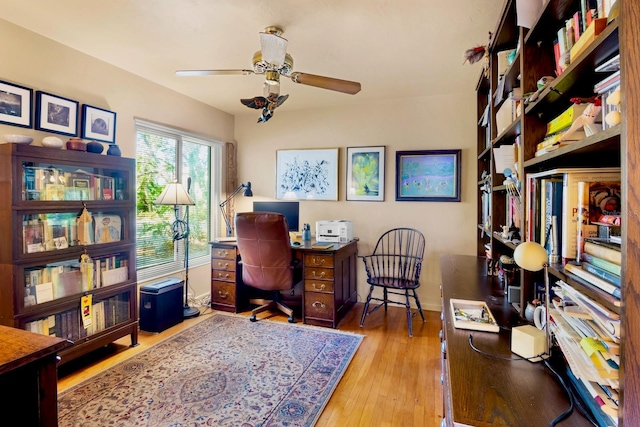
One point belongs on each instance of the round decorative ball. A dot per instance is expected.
(531, 256)
(95, 147)
(52, 142)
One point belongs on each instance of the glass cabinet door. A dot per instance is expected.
(51, 182)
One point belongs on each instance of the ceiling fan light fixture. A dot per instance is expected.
(274, 48)
(272, 78)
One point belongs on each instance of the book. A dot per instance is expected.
(605, 275)
(603, 252)
(602, 263)
(570, 205)
(551, 206)
(603, 285)
(585, 228)
(566, 118)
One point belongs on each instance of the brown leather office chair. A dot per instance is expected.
(395, 266)
(267, 258)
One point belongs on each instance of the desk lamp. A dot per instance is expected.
(227, 217)
(176, 195)
(533, 257)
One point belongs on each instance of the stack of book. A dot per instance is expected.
(599, 266)
(588, 335)
(557, 135)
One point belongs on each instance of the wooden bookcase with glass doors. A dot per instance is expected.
(67, 256)
(614, 147)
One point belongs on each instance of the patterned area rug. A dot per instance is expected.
(224, 371)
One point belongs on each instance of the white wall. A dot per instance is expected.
(437, 122)
(39, 63)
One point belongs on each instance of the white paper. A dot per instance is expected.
(528, 12)
(504, 157)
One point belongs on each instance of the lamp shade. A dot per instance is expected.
(174, 194)
(531, 256)
(247, 190)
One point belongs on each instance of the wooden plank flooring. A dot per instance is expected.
(393, 380)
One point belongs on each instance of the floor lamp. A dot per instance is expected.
(246, 188)
(176, 195)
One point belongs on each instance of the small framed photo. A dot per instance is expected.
(98, 124)
(16, 105)
(428, 175)
(365, 173)
(108, 228)
(56, 114)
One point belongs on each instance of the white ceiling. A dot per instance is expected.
(394, 48)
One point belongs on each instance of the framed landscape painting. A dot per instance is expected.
(428, 175)
(15, 105)
(307, 174)
(365, 173)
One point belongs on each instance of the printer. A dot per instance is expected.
(337, 231)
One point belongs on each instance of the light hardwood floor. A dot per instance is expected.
(393, 380)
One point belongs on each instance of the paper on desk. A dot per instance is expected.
(504, 157)
(528, 12)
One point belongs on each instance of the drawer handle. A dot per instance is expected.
(443, 347)
(317, 304)
(440, 334)
(321, 275)
(441, 379)
(225, 265)
(318, 261)
(223, 295)
(222, 253)
(319, 288)
(220, 276)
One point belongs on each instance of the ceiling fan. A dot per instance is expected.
(273, 61)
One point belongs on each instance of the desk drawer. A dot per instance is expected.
(227, 276)
(223, 253)
(223, 292)
(318, 286)
(223, 264)
(314, 273)
(313, 260)
(318, 305)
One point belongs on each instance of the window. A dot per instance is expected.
(165, 155)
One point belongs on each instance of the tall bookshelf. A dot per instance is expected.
(68, 226)
(612, 147)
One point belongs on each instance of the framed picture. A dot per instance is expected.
(365, 173)
(56, 114)
(428, 175)
(15, 105)
(98, 124)
(108, 228)
(307, 174)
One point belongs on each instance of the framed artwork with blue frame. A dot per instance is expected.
(365, 173)
(310, 174)
(428, 175)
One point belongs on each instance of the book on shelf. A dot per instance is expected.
(605, 275)
(566, 118)
(601, 284)
(550, 206)
(595, 406)
(604, 252)
(602, 263)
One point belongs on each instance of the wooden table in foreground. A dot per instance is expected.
(28, 377)
(481, 390)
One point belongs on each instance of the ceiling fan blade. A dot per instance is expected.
(213, 72)
(330, 83)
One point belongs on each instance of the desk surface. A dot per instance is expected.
(487, 391)
(19, 347)
(312, 245)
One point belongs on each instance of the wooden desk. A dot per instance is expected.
(480, 390)
(330, 281)
(28, 377)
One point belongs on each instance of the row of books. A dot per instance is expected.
(62, 279)
(55, 184)
(579, 31)
(52, 231)
(554, 194)
(68, 324)
(599, 266)
(588, 335)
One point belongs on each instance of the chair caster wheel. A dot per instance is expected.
(253, 318)
(291, 319)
